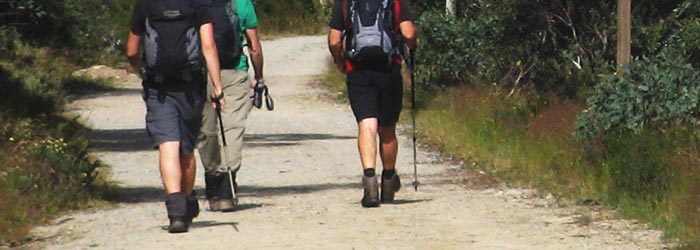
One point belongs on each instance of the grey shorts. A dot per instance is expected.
(174, 116)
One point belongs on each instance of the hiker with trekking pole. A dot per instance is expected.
(235, 27)
(176, 35)
(373, 31)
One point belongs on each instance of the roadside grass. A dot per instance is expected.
(46, 169)
(526, 141)
(334, 81)
(287, 18)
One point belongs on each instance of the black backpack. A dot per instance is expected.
(371, 30)
(171, 41)
(226, 32)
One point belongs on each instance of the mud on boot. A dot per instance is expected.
(389, 187)
(371, 191)
(176, 205)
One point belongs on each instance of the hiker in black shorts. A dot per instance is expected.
(374, 81)
(175, 33)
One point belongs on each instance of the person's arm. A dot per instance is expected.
(256, 53)
(336, 48)
(211, 56)
(132, 51)
(408, 32)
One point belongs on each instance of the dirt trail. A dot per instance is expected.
(300, 186)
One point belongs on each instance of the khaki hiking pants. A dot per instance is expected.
(237, 91)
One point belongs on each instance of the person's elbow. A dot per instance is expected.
(132, 45)
(410, 36)
(334, 38)
(208, 46)
(131, 54)
(408, 32)
(255, 49)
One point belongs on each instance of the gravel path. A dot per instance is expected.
(300, 186)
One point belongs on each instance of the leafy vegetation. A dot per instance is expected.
(504, 83)
(46, 168)
(291, 17)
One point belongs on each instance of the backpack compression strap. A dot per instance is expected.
(397, 15)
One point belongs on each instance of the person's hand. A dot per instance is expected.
(254, 83)
(217, 100)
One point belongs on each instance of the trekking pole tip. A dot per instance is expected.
(415, 185)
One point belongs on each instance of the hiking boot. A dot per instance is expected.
(222, 199)
(212, 182)
(192, 207)
(389, 187)
(371, 197)
(176, 205)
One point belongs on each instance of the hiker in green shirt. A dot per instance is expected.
(237, 28)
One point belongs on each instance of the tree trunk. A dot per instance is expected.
(624, 31)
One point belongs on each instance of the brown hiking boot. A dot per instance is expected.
(389, 187)
(176, 204)
(371, 196)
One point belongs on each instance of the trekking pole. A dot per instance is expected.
(228, 167)
(413, 115)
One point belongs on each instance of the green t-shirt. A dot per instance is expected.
(248, 20)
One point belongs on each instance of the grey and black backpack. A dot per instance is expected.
(371, 30)
(226, 32)
(171, 41)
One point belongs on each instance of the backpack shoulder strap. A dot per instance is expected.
(233, 6)
(346, 17)
(397, 16)
(230, 8)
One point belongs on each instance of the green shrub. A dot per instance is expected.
(645, 94)
(558, 46)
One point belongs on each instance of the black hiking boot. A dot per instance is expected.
(389, 187)
(371, 196)
(176, 204)
(192, 207)
(218, 192)
(212, 190)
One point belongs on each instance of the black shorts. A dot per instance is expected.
(175, 115)
(376, 93)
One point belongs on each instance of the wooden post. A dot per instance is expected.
(450, 7)
(624, 31)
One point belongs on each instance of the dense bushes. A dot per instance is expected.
(528, 65)
(554, 46)
(83, 30)
(644, 95)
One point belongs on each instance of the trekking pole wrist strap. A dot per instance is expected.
(218, 97)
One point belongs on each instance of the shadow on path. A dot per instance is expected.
(132, 140)
(105, 92)
(120, 140)
(156, 194)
